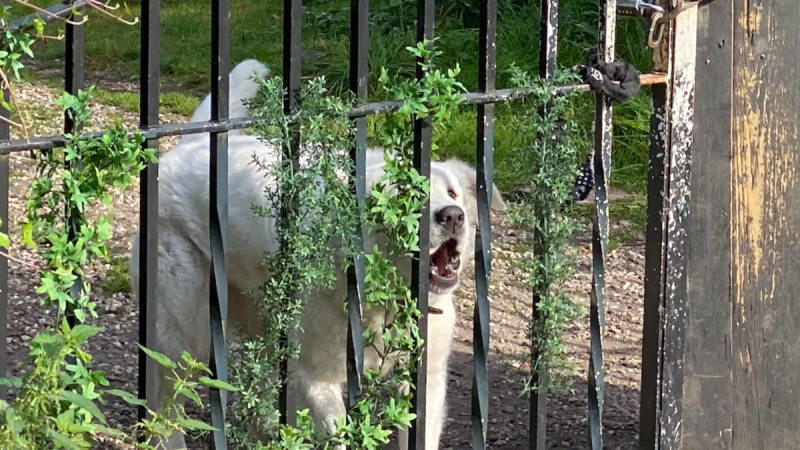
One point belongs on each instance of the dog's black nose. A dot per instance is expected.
(451, 217)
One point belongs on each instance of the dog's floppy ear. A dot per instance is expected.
(468, 175)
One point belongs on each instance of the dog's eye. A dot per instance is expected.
(452, 193)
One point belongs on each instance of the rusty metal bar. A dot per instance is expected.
(181, 129)
(601, 165)
(668, 209)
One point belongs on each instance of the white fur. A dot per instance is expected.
(317, 377)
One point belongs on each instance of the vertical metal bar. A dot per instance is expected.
(420, 265)
(359, 58)
(148, 190)
(654, 272)
(681, 118)
(655, 252)
(548, 60)
(548, 44)
(292, 72)
(665, 286)
(487, 71)
(74, 81)
(4, 187)
(601, 166)
(75, 38)
(218, 205)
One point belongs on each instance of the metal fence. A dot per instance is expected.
(671, 130)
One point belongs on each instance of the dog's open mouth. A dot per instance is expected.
(445, 262)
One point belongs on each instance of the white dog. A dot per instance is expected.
(318, 375)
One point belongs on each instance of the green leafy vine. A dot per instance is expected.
(551, 153)
(55, 403)
(315, 216)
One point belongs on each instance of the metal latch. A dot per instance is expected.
(656, 15)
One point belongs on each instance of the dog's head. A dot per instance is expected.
(453, 222)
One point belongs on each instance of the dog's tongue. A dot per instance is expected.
(439, 259)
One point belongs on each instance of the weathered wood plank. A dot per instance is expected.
(707, 382)
(765, 236)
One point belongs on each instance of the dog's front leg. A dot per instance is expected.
(323, 400)
(440, 338)
(436, 408)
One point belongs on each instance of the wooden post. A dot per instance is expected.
(743, 345)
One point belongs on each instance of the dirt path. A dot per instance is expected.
(115, 348)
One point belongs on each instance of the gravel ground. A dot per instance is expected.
(115, 349)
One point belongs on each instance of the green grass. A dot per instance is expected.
(112, 50)
(117, 279)
(628, 219)
(170, 102)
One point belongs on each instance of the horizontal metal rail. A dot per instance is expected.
(59, 11)
(369, 109)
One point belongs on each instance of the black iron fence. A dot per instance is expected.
(668, 192)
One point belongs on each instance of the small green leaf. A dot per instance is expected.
(82, 333)
(12, 382)
(27, 235)
(83, 403)
(217, 384)
(62, 441)
(191, 395)
(127, 397)
(160, 358)
(193, 424)
(14, 422)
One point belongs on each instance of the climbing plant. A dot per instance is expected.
(550, 151)
(315, 215)
(55, 403)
